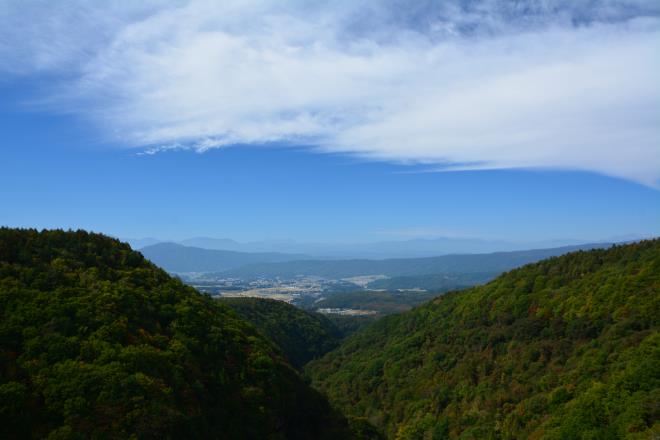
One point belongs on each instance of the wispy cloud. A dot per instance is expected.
(459, 85)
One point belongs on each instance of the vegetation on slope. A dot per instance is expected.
(301, 335)
(433, 282)
(96, 342)
(384, 303)
(567, 348)
(349, 324)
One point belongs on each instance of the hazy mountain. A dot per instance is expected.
(481, 264)
(428, 247)
(177, 258)
(412, 248)
(214, 243)
(139, 243)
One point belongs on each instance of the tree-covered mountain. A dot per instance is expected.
(568, 348)
(381, 302)
(177, 258)
(301, 335)
(441, 282)
(481, 267)
(96, 342)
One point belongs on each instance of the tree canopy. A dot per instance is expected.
(301, 335)
(96, 342)
(567, 348)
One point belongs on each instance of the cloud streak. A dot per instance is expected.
(456, 85)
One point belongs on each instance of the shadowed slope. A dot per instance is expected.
(301, 335)
(96, 342)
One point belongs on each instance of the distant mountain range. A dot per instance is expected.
(177, 258)
(477, 267)
(483, 265)
(414, 248)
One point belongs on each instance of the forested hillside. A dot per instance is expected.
(567, 348)
(301, 335)
(383, 303)
(96, 342)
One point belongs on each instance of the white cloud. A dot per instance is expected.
(489, 84)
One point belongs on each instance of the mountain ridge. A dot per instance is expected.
(493, 263)
(175, 258)
(384, 249)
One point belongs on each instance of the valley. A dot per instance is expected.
(327, 296)
(309, 220)
(354, 287)
(562, 348)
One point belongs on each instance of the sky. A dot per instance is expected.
(338, 122)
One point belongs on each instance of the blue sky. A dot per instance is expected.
(346, 125)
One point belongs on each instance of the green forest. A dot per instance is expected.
(301, 335)
(567, 348)
(96, 342)
(382, 302)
